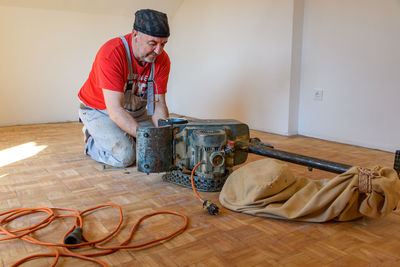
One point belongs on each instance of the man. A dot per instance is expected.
(126, 89)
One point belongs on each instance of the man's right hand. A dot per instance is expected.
(114, 101)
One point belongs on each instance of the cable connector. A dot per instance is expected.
(211, 207)
(74, 238)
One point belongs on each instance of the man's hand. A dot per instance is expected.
(160, 109)
(115, 106)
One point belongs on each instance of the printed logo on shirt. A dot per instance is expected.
(140, 85)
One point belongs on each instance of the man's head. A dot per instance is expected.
(150, 34)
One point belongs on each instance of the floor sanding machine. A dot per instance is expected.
(208, 150)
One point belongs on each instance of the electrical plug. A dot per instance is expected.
(75, 237)
(211, 207)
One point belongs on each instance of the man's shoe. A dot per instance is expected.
(86, 136)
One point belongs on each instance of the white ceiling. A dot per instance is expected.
(109, 7)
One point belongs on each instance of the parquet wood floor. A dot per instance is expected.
(60, 175)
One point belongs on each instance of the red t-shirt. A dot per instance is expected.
(110, 71)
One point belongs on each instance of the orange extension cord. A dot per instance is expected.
(192, 180)
(24, 233)
(211, 207)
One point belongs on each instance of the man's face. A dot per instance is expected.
(146, 48)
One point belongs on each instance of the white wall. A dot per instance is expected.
(295, 77)
(351, 51)
(104, 7)
(47, 49)
(249, 60)
(232, 59)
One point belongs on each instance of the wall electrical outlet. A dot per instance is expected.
(318, 94)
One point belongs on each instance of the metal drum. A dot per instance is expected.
(154, 149)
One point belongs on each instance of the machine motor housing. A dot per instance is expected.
(192, 141)
(207, 148)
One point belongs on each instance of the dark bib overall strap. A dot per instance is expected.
(150, 92)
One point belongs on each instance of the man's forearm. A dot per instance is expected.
(125, 121)
(160, 112)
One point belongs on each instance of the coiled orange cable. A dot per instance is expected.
(24, 233)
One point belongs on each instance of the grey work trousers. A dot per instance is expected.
(107, 143)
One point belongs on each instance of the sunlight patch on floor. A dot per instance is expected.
(20, 152)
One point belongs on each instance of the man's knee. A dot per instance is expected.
(124, 154)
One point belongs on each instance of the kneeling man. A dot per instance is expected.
(125, 89)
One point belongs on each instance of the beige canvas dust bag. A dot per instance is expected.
(268, 188)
